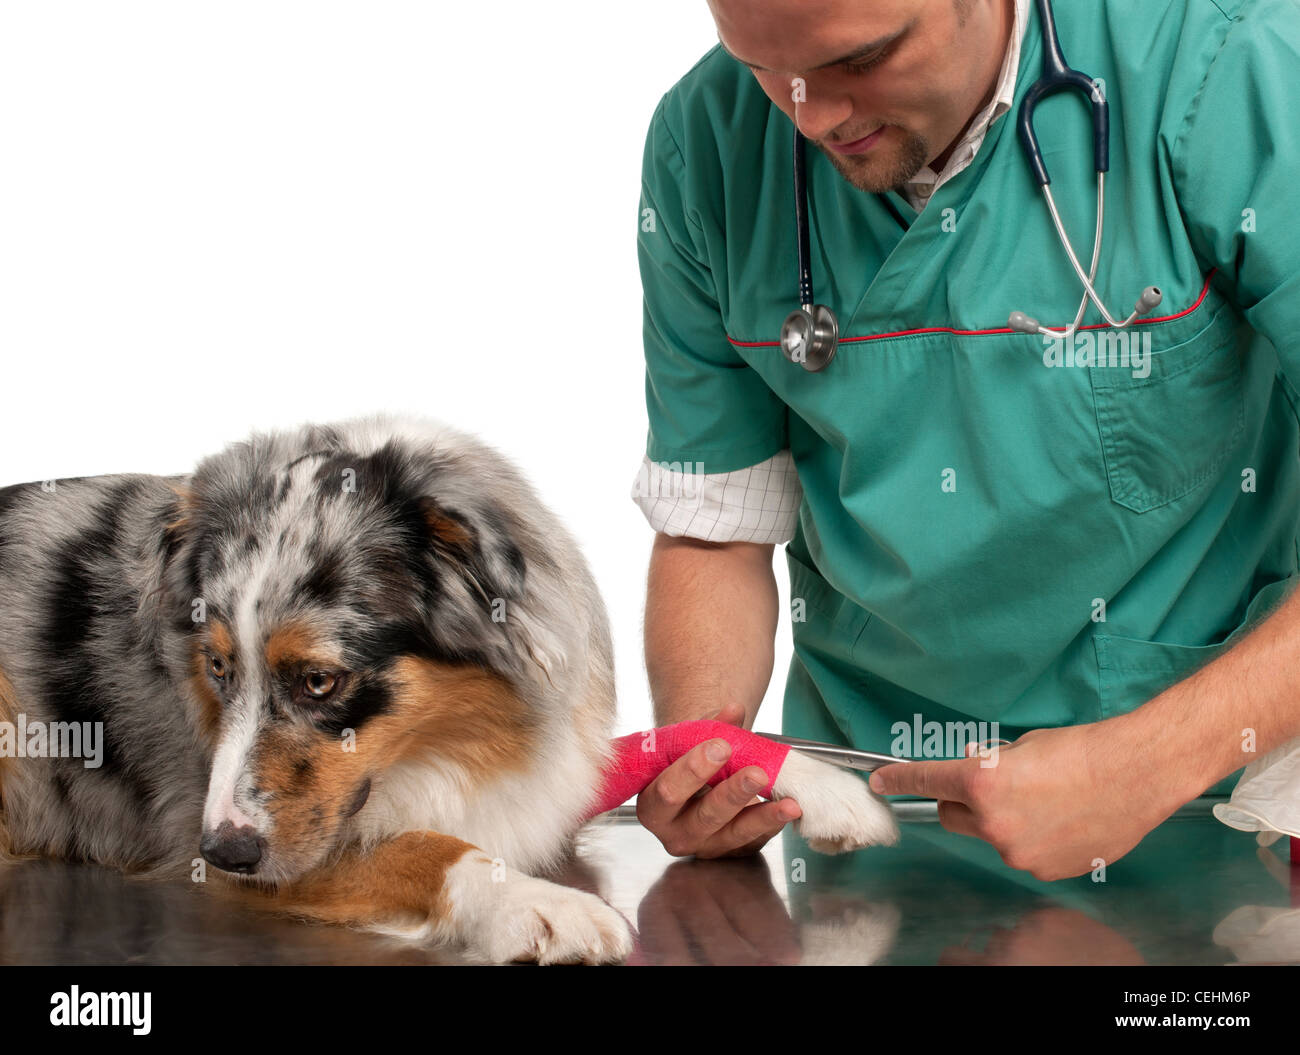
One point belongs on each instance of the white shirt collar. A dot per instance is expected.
(922, 186)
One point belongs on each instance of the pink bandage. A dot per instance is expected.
(640, 757)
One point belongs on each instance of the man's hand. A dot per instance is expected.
(1057, 802)
(722, 912)
(726, 821)
(1048, 936)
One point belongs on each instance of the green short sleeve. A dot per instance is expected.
(705, 404)
(1236, 166)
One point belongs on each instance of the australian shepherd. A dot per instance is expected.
(360, 668)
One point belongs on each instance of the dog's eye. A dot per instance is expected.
(217, 665)
(319, 684)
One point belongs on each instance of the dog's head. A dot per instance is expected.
(348, 606)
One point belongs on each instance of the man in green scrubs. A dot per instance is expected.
(981, 525)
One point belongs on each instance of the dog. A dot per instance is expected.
(360, 667)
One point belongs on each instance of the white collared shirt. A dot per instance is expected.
(760, 503)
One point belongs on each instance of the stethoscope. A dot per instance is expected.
(810, 335)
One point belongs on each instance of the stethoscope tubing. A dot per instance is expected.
(1059, 77)
(802, 221)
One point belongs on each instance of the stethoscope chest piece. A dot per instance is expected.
(809, 337)
(810, 334)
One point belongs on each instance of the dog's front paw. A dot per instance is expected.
(858, 934)
(840, 813)
(533, 920)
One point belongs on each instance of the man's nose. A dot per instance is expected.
(817, 117)
(233, 849)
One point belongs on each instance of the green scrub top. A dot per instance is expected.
(967, 508)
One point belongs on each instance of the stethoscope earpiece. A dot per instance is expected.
(810, 336)
(1149, 301)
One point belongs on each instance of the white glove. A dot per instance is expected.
(1267, 797)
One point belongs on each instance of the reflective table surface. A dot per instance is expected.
(1193, 892)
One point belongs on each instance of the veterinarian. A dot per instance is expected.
(1088, 540)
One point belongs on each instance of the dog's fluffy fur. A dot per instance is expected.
(319, 651)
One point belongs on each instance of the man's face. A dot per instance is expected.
(888, 85)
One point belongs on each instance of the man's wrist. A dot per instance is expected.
(1175, 740)
(1196, 732)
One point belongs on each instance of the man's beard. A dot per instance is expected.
(875, 177)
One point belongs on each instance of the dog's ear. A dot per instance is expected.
(493, 566)
(179, 518)
(175, 527)
(541, 643)
(450, 535)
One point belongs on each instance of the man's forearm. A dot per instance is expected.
(1232, 711)
(710, 627)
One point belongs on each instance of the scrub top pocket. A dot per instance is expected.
(1131, 672)
(1166, 434)
(831, 624)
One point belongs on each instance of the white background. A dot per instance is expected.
(216, 217)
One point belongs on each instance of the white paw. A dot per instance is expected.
(859, 935)
(530, 919)
(840, 813)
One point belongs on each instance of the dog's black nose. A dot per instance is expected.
(232, 849)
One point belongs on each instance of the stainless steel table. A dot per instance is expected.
(1194, 892)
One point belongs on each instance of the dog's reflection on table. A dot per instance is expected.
(54, 912)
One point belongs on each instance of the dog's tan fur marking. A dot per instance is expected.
(466, 715)
(445, 532)
(295, 645)
(446, 529)
(219, 638)
(185, 508)
(219, 641)
(209, 701)
(401, 879)
(311, 781)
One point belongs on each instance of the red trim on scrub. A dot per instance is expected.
(987, 333)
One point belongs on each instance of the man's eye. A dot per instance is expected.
(869, 64)
(866, 66)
